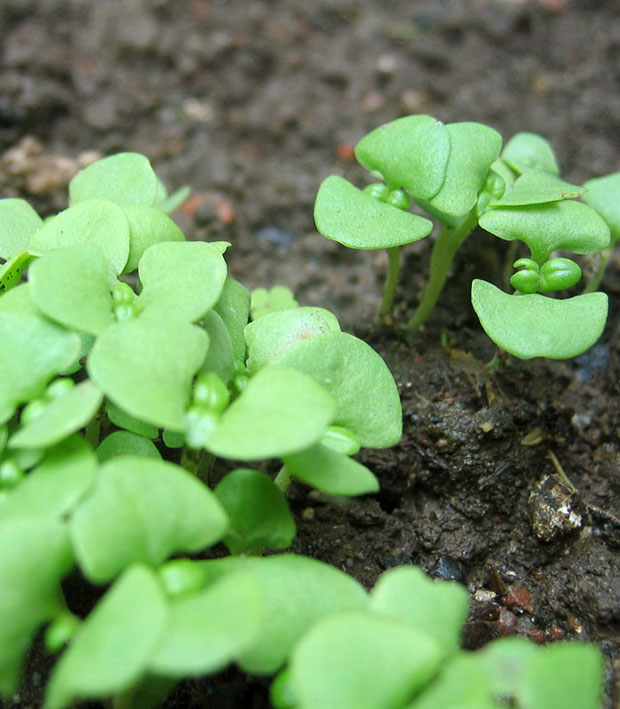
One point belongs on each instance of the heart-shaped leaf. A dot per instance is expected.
(19, 222)
(143, 510)
(72, 286)
(473, 147)
(331, 472)
(360, 221)
(122, 443)
(536, 187)
(530, 151)
(112, 648)
(125, 178)
(360, 382)
(603, 195)
(282, 411)
(547, 227)
(410, 152)
(273, 334)
(96, 221)
(147, 226)
(181, 280)
(146, 367)
(208, 630)
(258, 513)
(62, 417)
(33, 351)
(537, 326)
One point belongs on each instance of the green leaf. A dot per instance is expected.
(72, 286)
(169, 203)
(34, 556)
(181, 280)
(530, 151)
(33, 351)
(143, 510)
(263, 301)
(352, 660)
(258, 512)
(19, 222)
(146, 367)
(537, 326)
(54, 488)
(297, 591)
(272, 335)
(504, 661)
(410, 152)
(18, 300)
(473, 147)
(360, 382)
(354, 218)
(122, 419)
(603, 195)
(282, 411)
(121, 443)
(208, 630)
(12, 271)
(62, 417)
(331, 472)
(547, 227)
(563, 675)
(147, 226)
(233, 307)
(112, 648)
(94, 222)
(125, 178)
(220, 358)
(536, 187)
(439, 608)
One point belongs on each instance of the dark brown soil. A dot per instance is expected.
(252, 104)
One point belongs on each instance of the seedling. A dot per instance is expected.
(459, 175)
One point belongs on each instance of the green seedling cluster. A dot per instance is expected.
(130, 364)
(462, 178)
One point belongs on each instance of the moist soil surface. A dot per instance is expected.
(506, 482)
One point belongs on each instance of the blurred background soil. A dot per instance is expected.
(253, 103)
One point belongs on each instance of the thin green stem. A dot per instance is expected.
(445, 247)
(389, 290)
(283, 478)
(596, 279)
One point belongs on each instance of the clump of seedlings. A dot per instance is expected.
(460, 176)
(129, 366)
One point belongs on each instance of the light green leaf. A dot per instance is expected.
(147, 226)
(331, 472)
(93, 222)
(18, 300)
(146, 367)
(530, 151)
(143, 510)
(282, 411)
(12, 271)
(33, 351)
(258, 512)
(122, 419)
(603, 195)
(536, 187)
(504, 660)
(62, 417)
(356, 219)
(297, 592)
(208, 630)
(112, 648)
(360, 382)
(473, 147)
(407, 593)
(169, 203)
(352, 660)
(547, 227)
(537, 326)
(122, 443)
(410, 152)
(233, 307)
(72, 286)
(181, 280)
(125, 178)
(272, 335)
(265, 300)
(35, 554)
(56, 485)
(220, 358)
(18, 222)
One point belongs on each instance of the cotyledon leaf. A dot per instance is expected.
(18, 222)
